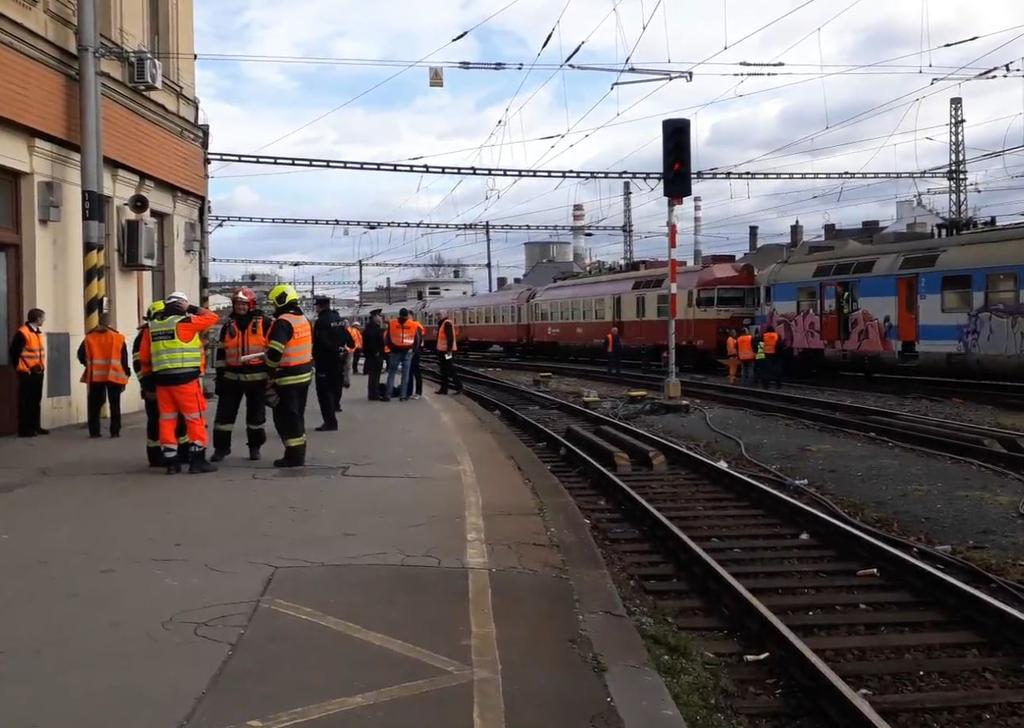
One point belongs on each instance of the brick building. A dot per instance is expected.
(152, 145)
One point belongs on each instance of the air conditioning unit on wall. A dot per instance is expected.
(139, 243)
(145, 72)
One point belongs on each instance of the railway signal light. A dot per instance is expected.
(675, 157)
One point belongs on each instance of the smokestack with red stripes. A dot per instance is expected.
(579, 251)
(698, 230)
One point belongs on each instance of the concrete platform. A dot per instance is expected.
(405, 577)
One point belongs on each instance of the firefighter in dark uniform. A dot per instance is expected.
(290, 366)
(147, 388)
(331, 342)
(241, 374)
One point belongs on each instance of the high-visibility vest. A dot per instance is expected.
(402, 336)
(299, 349)
(745, 344)
(171, 355)
(609, 343)
(239, 342)
(103, 357)
(730, 346)
(760, 351)
(357, 336)
(771, 342)
(443, 345)
(33, 356)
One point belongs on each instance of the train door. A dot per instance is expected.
(907, 313)
(617, 315)
(10, 298)
(829, 312)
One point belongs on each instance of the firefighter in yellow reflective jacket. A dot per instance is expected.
(290, 365)
(147, 388)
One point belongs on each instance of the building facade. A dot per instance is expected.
(152, 145)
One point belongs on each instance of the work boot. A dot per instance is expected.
(254, 453)
(173, 464)
(197, 462)
(219, 455)
(154, 457)
(294, 457)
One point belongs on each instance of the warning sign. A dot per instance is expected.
(436, 77)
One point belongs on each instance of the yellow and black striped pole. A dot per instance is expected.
(92, 168)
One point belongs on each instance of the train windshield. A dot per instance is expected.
(737, 297)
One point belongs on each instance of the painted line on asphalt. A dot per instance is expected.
(361, 633)
(373, 697)
(488, 700)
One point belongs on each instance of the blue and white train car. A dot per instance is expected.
(941, 305)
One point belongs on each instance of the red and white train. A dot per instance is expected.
(573, 316)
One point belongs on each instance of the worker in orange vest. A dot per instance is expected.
(613, 348)
(356, 332)
(400, 341)
(732, 356)
(447, 345)
(745, 351)
(104, 354)
(28, 355)
(772, 357)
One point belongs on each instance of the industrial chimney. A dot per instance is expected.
(796, 234)
(579, 252)
(752, 240)
(502, 282)
(698, 229)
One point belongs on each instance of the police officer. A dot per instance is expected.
(290, 365)
(330, 339)
(241, 374)
(104, 355)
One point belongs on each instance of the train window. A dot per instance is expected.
(806, 299)
(767, 295)
(706, 298)
(663, 306)
(956, 294)
(471, 316)
(641, 307)
(823, 271)
(577, 310)
(599, 309)
(689, 298)
(913, 262)
(864, 266)
(644, 284)
(843, 269)
(736, 297)
(1001, 288)
(588, 309)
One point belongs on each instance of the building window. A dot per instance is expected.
(158, 277)
(806, 299)
(641, 307)
(600, 313)
(956, 294)
(434, 291)
(663, 306)
(1001, 289)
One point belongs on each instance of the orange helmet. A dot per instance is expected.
(247, 295)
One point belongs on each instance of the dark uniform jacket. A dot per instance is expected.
(373, 339)
(330, 338)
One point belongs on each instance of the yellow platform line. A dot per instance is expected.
(361, 633)
(373, 697)
(488, 700)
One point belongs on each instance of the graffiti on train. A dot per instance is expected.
(997, 329)
(803, 330)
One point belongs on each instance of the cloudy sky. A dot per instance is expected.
(840, 85)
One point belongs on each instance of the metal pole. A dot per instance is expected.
(490, 278)
(360, 283)
(204, 222)
(672, 389)
(627, 222)
(92, 202)
(312, 287)
(698, 231)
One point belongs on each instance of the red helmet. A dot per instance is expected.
(247, 295)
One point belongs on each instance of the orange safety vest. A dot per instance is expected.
(357, 336)
(299, 350)
(609, 343)
(238, 343)
(730, 346)
(771, 342)
(746, 346)
(402, 336)
(33, 356)
(443, 345)
(103, 357)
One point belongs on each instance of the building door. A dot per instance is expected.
(906, 300)
(10, 299)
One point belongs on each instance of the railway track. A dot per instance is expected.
(990, 445)
(816, 622)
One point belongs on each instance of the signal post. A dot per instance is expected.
(675, 153)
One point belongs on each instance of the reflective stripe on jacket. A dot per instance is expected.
(745, 344)
(295, 363)
(33, 356)
(244, 341)
(103, 363)
(444, 344)
(168, 353)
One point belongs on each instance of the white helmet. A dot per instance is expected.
(177, 296)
